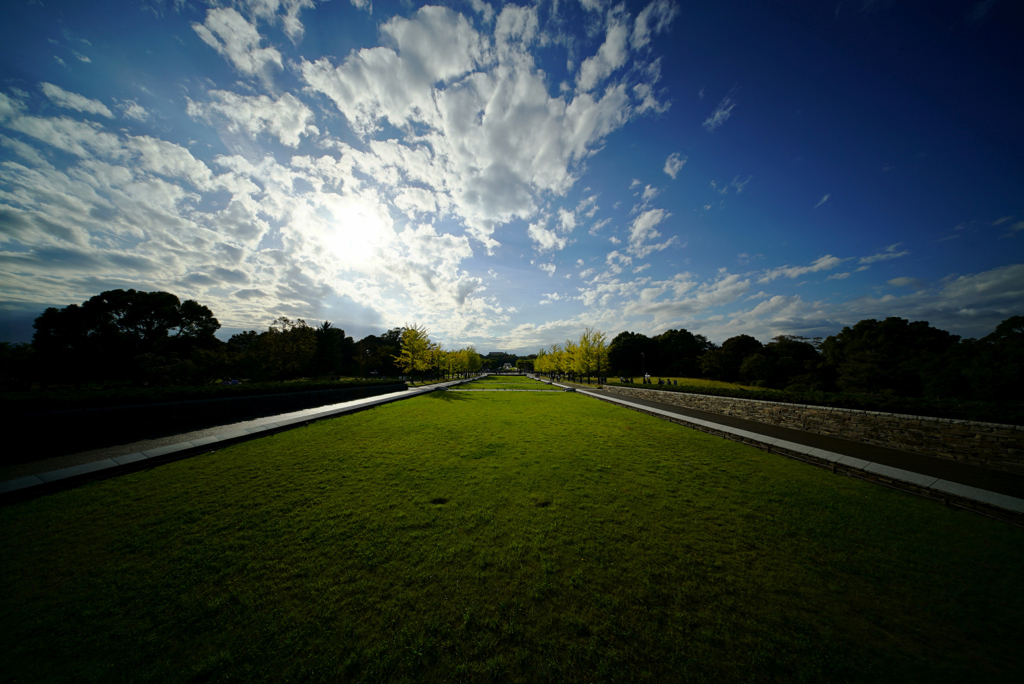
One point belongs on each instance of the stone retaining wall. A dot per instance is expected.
(991, 445)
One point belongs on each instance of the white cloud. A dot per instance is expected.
(231, 35)
(548, 268)
(673, 164)
(594, 229)
(566, 221)
(267, 10)
(610, 56)
(68, 100)
(905, 282)
(133, 110)
(287, 117)
(824, 263)
(838, 276)
(889, 253)
(547, 240)
(654, 18)
(484, 9)
(642, 230)
(550, 297)
(493, 137)
(721, 114)
(587, 206)
(822, 200)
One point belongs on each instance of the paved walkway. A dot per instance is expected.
(934, 476)
(32, 479)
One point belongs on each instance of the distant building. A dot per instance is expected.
(507, 366)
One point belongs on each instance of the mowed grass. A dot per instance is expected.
(508, 382)
(503, 537)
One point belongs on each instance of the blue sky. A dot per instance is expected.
(507, 175)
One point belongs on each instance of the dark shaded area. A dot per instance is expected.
(998, 481)
(56, 433)
(153, 339)
(889, 365)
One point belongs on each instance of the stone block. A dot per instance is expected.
(1009, 503)
(169, 449)
(852, 462)
(130, 458)
(900, 474)
(20, 483)
(794, 446)
(825, 455)
(78, 470)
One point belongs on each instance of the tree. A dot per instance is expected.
(287, 349)
(679, 352)
(724, 364)
(415, 354)
(334, 351)
(893, 356)
(632, 353)
(17, 365)
(110, 334)
(992, 366)
(591, 353)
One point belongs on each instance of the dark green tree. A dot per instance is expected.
(893, 356)
(630, 354)
(724, 364)
(112, 334)
(334, 351)
(679, 352)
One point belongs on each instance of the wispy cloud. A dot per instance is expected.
(673, 164)
(889, 253)
(906, 282)
(721, 114)
(69, 100)
(824, 263)
(822, 200)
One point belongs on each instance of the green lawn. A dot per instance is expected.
(508, 382)
(503, 537)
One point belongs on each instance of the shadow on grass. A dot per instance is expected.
(442, 395)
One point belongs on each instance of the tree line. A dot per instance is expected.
(892, 357)
(578, 359)
(155, 339)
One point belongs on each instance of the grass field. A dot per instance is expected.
(503, 537)
(508, 382)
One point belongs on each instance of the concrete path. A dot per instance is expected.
(951, 481)
(28, 480)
